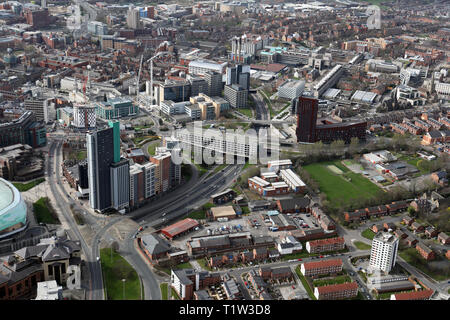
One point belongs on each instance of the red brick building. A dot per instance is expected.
(336, 291)
(444, 238)
(325, 245)
(179, 228)
(37, 18)
(425, 252)
(415, 295)
(315, 268)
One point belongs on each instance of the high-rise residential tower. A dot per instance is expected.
(384, 252)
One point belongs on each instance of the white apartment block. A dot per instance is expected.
(443, 89)
(292, 180)
(224, 142)
(84, 116)
(384, 252)
(329, 80)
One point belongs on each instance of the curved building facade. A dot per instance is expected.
(13, 210)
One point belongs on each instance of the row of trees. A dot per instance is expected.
(317, 152)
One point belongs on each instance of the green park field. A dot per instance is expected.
(341, 187)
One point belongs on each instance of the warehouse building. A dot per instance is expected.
(180, 228)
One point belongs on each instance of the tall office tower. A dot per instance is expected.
(239, 75)
(120, 184)
(100, 154)
(236, 96)
(40, 107)
(306, 119)
(384, 252)
(214, 81)
(103, 149)
(83, 180)
(133, 18)
(198, 85)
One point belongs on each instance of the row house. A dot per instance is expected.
(436, 125)
(444, 238)
(325, 245)
(433, 137)
(376, 211)
(400, 234)
(395, 127)
(411, 241)
(336, 291)
(413, 129)
(427, 253)
(325, 221)
(186, 281)
(423, 125)
(440, 178)
(417, 227)
(280, 273)
(431, 232)
(408, 220)
(445, 121)
(315, 268)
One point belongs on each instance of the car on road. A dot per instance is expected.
(299, 259)
(164, 214)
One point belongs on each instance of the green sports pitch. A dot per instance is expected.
(341, 188)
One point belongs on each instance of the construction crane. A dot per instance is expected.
(85, 82)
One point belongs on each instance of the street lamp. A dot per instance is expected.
(123, 281)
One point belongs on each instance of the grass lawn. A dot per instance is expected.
(116, 269)
(337, 280)
(175, 294)
(363, 276)
(186, 172)
(202, 169)
(203, 264)
(305, 283)
(200, 214)
(377, 2)
(152, 148)
(220, 167)
(44, 212)
(362, 246)
(245, 111)
(341, 188)
(185, 265)
(368, 234)
(22, 187)
(163, 287)
(81, 155)
(411, 256)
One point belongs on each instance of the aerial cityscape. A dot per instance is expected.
(252, 150)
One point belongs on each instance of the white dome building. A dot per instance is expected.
(13, 210)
